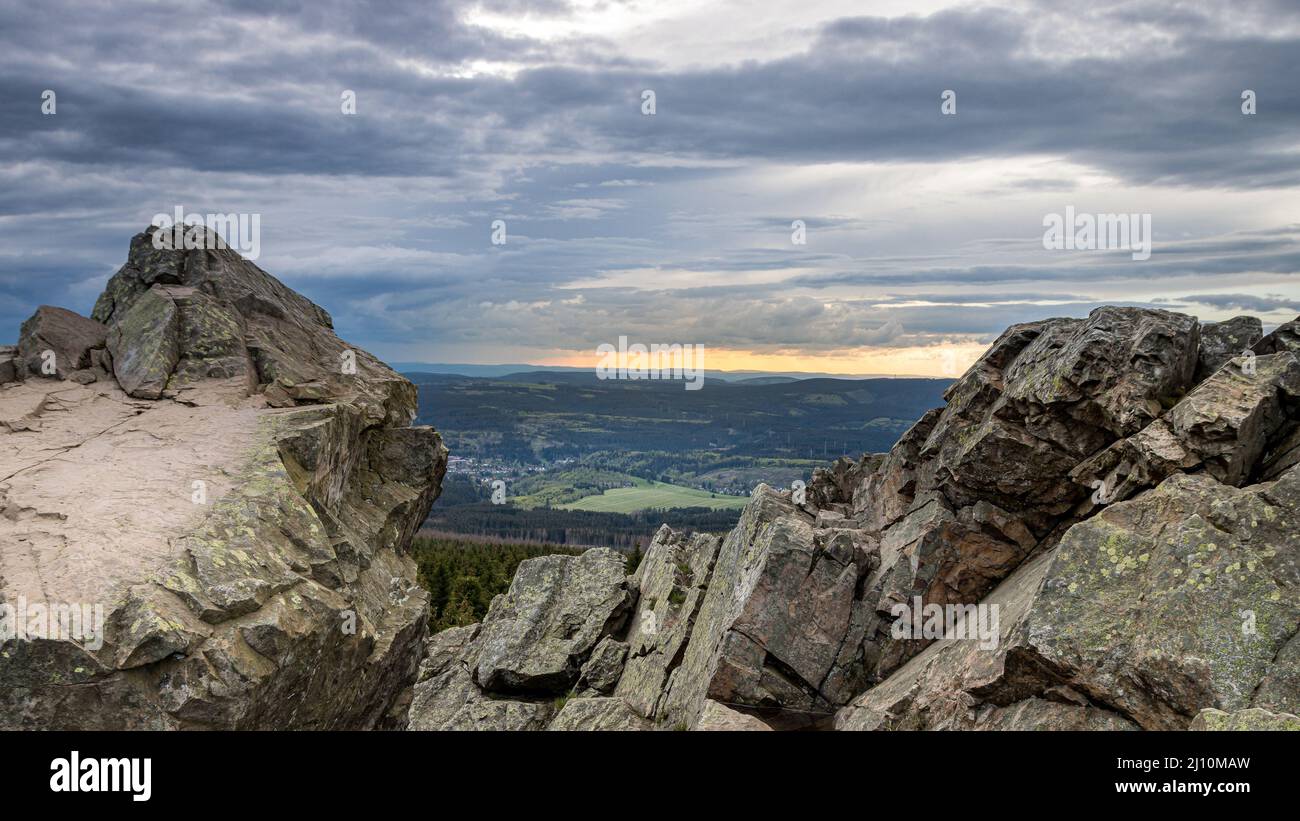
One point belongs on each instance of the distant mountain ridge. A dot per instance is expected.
(542, 416)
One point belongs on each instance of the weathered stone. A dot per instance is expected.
(1047, 395)
(828, 518)
(1192, 589)
(445, 647)
(1179, 599)
(1222, 342)
(1284, 338)
(1228, 420)
(251, 564)
(69, 336)
(236, 321)
(210, 339)
(944, 558)
(1079, 615)
(888, 484)
(778, 623)
(11, 367)
(978, 485)
(717, 718)
(1252, 719)
(1283, 453)
(598, 714)
(145, 346)
(451, 701)
(445, 696)
(672, 579)
(602, 670)
(1223, 426)
(149, 630)
(1279, 691)
(1042, 714)
(536, 637)
(835, 485)
(277, 397)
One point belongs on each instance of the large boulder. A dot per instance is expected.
(11, 367)
(1284, 338)
(58, 339)
(779, 630)
(718, 718)
(977, 486)
(145, 344)
(209, 313)
(673, 579)
(598, 714)
(1224, 426)
(238, 566)
(1183, 598)
(536, 637)
(446, 698)
(534, 645)
(1222, 342)
(773, 622)
(603, 669)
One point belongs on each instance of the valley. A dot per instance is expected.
(569, 453)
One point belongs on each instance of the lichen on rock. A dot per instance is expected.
(1121, 490)
(250, 555)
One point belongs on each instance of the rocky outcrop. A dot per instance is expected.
(779, 626)
(1180, 599)
(537, 644)
(1221, 342)
(10, 365)
(210, 314)
(673, 579)
(535, 637)
(229, 500)
(1223, 427)
(974, 488)
(1097, 531)
(1284, 338)
(58, 342)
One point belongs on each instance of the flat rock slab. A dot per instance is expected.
(96, 484)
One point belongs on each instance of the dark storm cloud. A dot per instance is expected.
(383, 216)
(1242, 302)
(1080, 266)
(868, 89)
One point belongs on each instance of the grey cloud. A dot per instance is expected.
(1244, 302)
(383, 217)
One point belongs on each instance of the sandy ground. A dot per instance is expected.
(95, 484)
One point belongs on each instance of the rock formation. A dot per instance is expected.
(1097, 531)
(206, 500)
(204, 470)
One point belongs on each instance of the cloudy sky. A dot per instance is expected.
(924, 230)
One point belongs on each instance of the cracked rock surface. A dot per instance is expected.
(205, 469)
(1122, 491)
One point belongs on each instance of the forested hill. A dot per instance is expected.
(545, 416)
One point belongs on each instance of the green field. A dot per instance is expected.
(653, 495)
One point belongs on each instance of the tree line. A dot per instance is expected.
(462, 576)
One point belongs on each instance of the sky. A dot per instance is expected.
(923, 230)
